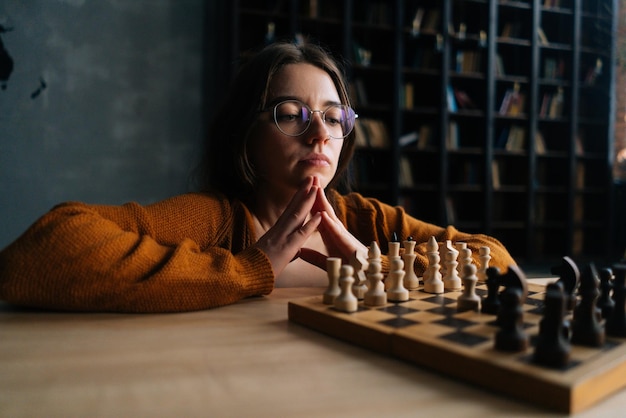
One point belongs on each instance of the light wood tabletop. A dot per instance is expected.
(241, 360)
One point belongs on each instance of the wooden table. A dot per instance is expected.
(236, 361)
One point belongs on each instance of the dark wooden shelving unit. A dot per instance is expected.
(536, 174)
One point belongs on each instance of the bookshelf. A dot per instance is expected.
(494, 116)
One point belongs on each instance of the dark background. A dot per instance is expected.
(105, 103)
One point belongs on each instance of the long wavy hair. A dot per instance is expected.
(226, 165)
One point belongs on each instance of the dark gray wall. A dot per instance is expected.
(120, 117)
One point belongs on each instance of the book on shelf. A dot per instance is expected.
(495, 174)
(580, 175)
(424, 136)
(416, 24)
(432, 20)
(462, 30)
(463, 100)
(450, 211)
(511, 30)
(452, 139)
(593, 73)
(552, 3)
(371, 133)
(553, 69)
(408, 139)
(499, 66)
(543, 39)
(540, 143)
(451, 100)
(408, 93)
(358, 94)
(555, 109)
(362, 56)
(516, 138)
(578, 143)
(468, 61)
(405, 173)
(513, 102)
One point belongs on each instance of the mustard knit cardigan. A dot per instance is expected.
(189, 252)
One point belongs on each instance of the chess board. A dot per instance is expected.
(428, 331)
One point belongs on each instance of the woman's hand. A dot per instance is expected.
(337, 239)
(282, 242)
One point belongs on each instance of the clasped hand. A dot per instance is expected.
(308, 211)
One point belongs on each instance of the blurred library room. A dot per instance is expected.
(506, 118)
(497, 117)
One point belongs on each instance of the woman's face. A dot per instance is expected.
(282, 161)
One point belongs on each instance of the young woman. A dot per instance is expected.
(269, 214)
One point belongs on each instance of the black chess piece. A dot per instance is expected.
(569, 277)
(491, 303)
(605, 302)
(586, 328)
(553, 348)
(511, 336)
(616, 322)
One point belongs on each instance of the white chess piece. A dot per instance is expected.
(359, 265)
(346, 301)
(411, 281)
(461, 247)
(469, 300)
(393, 254)
(451, 281)
(432, 280)
(333, 266)
(432, 248)
(397, 292)
(484, 256)
(375, 295)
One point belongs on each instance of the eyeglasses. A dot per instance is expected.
(293, 118)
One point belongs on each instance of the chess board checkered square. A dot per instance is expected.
(466, 339)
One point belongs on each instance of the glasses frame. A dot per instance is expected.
(311, 112)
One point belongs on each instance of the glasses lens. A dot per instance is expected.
(339, 120)
(292, 118)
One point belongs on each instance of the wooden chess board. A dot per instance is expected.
(428, 331)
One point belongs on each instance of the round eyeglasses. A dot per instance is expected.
(293, 118)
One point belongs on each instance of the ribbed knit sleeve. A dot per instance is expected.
(186, 253)
(371, 220)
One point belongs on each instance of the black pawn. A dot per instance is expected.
(605, 302)
(616, 322)
(586, 328)
(553, 349)
(569, 278)
(511, 336)
(491, 303)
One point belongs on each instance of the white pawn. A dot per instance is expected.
(469, 300)
(432, 249)
(359, 265)
(461, 247)
(375, 295)
(346, 301)
(397, 292)
(451, 280)
(333, 265)
(432, 280)
(411, 281)
(394, 253)
(465, 258)
(394, 249)
(484, 256)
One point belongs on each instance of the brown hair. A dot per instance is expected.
(226, 166)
